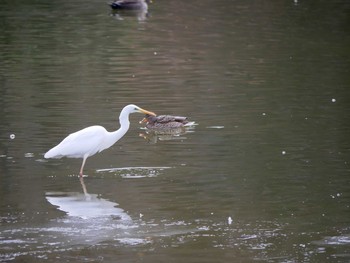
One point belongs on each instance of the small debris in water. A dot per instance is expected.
(12, 136)
(229, 220)
(283, 152)
(337, 195)
(334, 100)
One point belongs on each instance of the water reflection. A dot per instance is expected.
(153, 136)
(140, 15)
(261, 78)
(85, 205)
(89, 221)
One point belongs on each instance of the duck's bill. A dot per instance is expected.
(143, 120)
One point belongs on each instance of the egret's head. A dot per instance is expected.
(133, 108)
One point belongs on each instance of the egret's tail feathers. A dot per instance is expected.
(48, 155)
(52, 154)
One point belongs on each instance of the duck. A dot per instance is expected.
(130, 4)
(165, 122)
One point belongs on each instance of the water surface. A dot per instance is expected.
(263, 175)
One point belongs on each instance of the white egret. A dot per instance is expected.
(93, 139)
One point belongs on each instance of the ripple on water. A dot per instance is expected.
(134, 172)
(334, 241)
(72, 233)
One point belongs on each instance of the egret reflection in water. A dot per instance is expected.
(85, 205)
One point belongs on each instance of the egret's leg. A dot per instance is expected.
(82, 166)
(83, 185)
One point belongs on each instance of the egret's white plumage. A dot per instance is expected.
(93, 139)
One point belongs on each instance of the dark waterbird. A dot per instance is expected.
(165, 122)
(130, 4)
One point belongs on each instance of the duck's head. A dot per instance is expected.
(149, 119)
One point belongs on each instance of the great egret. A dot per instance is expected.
(165, 122)
(93, 139)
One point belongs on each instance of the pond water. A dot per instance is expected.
(264, 174)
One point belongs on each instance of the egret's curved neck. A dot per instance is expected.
(113, 137)
(124, 124)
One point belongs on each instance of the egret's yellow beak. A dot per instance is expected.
(147, 112)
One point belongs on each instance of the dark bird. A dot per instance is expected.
(130, 5)
(165, 122)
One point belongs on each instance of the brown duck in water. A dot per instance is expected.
(165, 122)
